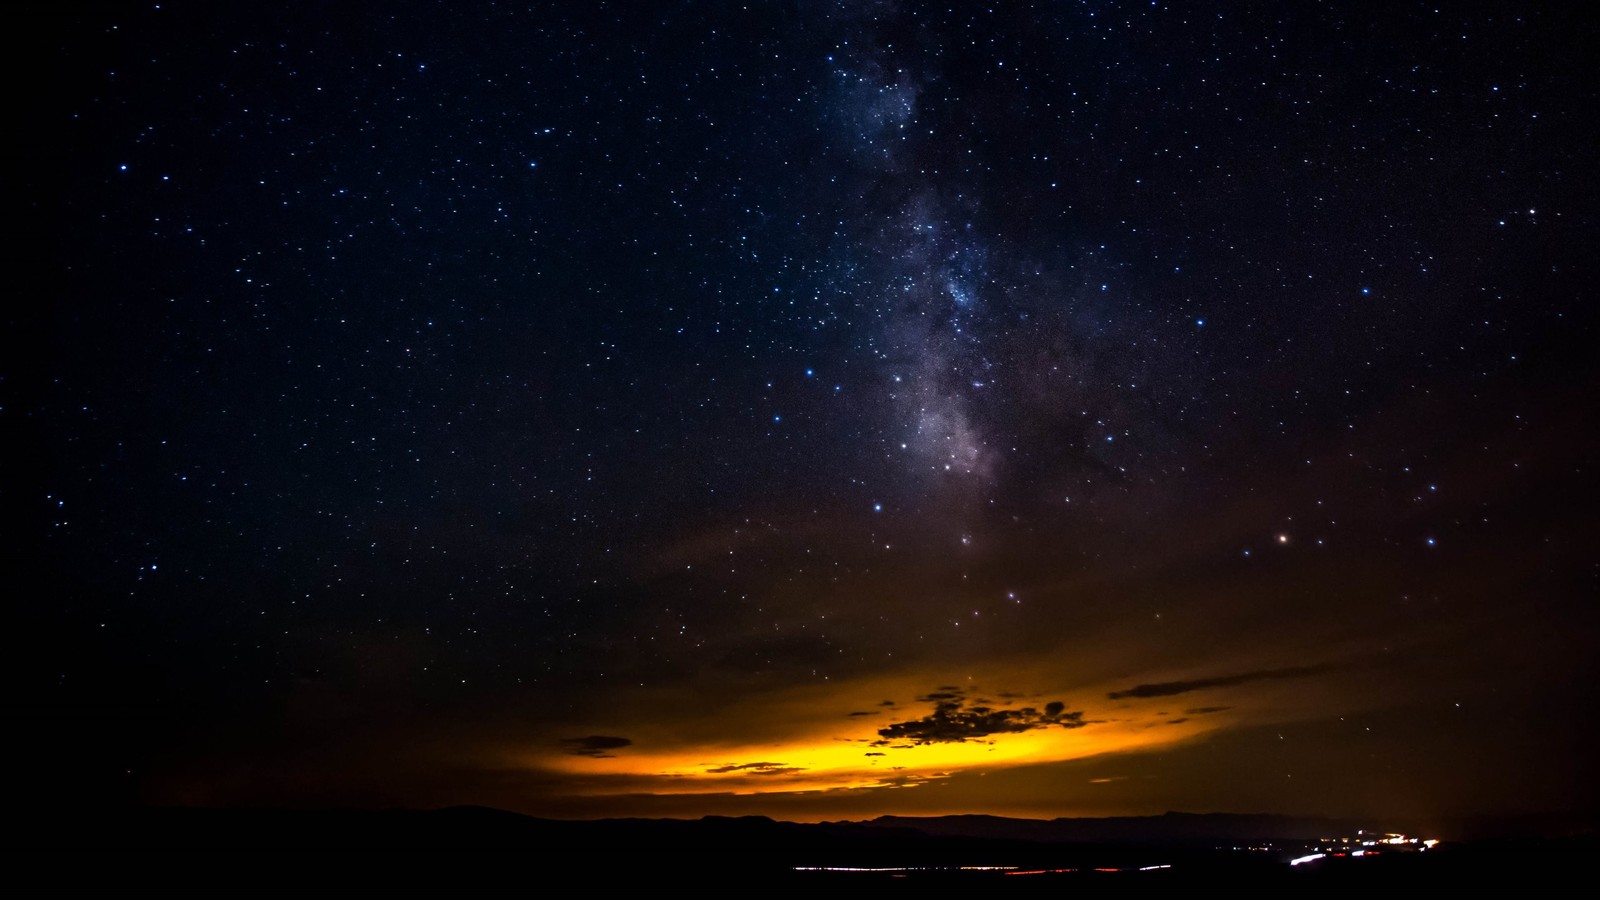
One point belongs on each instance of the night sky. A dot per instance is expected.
(816, 410)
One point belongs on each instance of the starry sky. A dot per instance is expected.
(816, 410)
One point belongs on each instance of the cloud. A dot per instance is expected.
(862, 714)
(756, 768)
(952, 721)
(1169, 688)
(595, 745)
(1206, 710)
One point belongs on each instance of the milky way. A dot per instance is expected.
(810, 409)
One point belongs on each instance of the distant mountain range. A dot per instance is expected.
(447, 849)
(1171, 828)
(339, 826)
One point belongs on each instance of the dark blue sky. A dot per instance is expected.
(483, 380)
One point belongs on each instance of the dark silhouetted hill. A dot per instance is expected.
(474, 847)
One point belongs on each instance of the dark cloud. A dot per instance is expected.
(1169, 688)
(757, 768)
(862, 714)
(1178, 721)
(887, 703)
(953, 722)
(595, 745)
(1206, 710)
(875, 753)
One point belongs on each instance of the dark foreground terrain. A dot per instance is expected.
(473, 848)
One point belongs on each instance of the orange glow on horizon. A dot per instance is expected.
(807, 741)
(811, 763)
